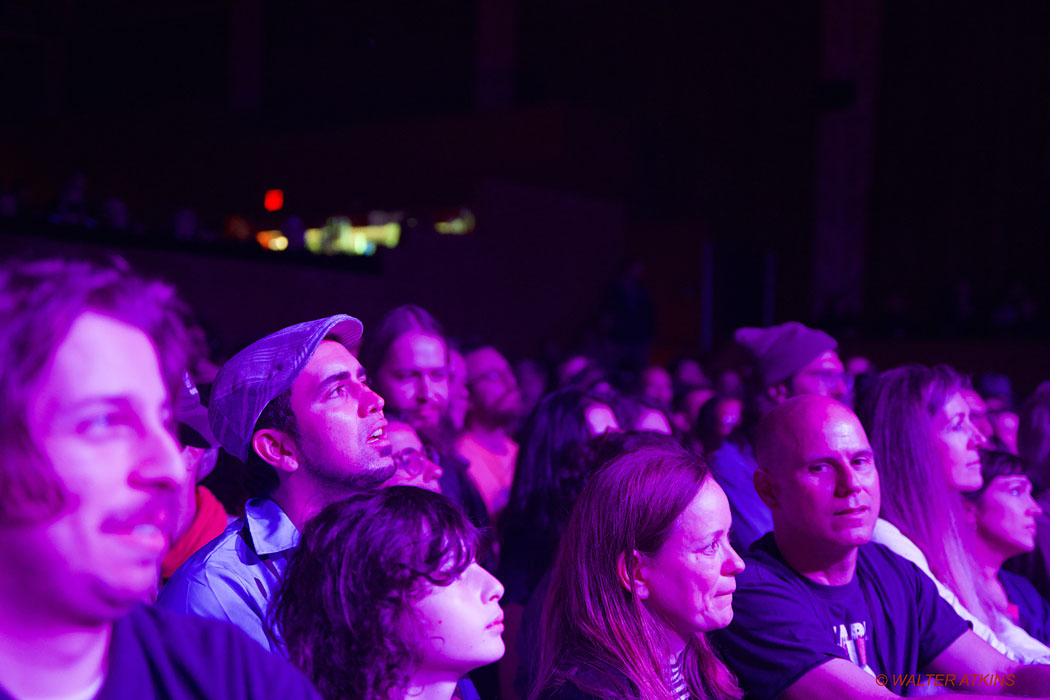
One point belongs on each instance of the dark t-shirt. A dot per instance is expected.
(1033, 610)
(158, 654)
(889, 619)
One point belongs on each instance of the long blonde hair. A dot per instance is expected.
(897, 415)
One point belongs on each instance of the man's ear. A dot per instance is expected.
(633, 577)
(766, 489)
(777, 394)
(276, 448)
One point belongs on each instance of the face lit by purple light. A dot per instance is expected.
(461, 624)
(956, 441)
(413, 379)
(494, 393)
(978, 412)
(823, 487)
(414, 467)
(1006, 514)
(656, 386)
(101, 416)
(823, 376)
(689, 583)
(342, 431)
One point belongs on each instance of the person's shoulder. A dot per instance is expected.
(182, 648)
(1020, 591)
(876, 559)
(764, 566)
(1010, 579)
(201, 635)
(889, 536)
(226, 545)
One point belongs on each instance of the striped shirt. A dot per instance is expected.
(679, 688)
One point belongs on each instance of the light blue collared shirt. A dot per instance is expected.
(229, 580)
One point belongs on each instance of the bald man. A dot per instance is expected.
(820, 612)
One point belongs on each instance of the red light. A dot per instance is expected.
(274, 200)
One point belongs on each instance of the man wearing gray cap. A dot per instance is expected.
(296, 409)
(788, 360)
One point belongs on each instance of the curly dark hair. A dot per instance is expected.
(344, 609)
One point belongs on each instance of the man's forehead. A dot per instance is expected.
(419, 349)
(833, 429)
(87, 361)
(330, 357)
(811, 427)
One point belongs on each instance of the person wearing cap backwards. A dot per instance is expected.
(788, 360)
(199, 517)
(296, 409)
(89, 480)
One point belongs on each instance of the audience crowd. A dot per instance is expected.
(425, 518)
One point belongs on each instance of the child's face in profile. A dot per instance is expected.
(461, 624)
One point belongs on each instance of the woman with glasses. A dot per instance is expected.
(413, 462)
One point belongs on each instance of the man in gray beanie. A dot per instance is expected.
(789, 360)
(793, 360)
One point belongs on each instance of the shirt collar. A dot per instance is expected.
(272, 531)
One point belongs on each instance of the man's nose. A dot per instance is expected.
(159, 461)
(849, 481)
(370, 401)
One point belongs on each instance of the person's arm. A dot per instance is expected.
(971, 656)
(834, 680)
(839, 678)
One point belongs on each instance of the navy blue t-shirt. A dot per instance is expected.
(889, 619)
(1033, 610)
(158, 654)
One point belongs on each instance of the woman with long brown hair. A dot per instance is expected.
(644, 569)
(926, 447)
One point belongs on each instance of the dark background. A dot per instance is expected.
(858, 165)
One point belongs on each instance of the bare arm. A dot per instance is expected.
(969, 655)
(835, 680)
(839, 678)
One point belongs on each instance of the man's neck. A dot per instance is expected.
(826, 567)
(492, 437)
(301, 502)
(40, 656)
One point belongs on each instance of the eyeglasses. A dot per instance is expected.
(830, 378)
(411, 461)
(504, 376)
